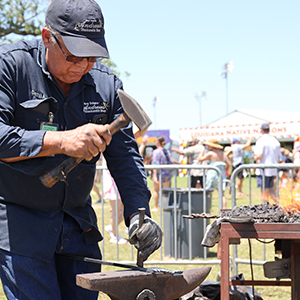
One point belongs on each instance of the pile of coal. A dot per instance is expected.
(263, 213)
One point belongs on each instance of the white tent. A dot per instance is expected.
(285, 126)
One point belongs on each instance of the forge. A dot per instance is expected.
(267, 222)
(263, 221)
(265, 213)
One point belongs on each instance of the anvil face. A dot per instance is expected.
(130, 284)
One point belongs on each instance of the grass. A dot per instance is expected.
(126, 252)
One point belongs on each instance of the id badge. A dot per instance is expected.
(49, 126)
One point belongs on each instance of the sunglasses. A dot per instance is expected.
(72, 58)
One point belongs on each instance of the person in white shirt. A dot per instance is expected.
(238, 159)
(192, 152)
(267, 150)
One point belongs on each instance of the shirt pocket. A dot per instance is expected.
(31, 113)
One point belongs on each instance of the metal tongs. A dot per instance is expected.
(236, 219)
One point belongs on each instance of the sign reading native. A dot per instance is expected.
(226, 133)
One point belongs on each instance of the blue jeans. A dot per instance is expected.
(26, 278)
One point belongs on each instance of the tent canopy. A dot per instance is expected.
(285, 126)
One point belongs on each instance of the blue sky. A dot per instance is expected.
(174, 49)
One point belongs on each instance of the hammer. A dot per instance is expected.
(132, 112)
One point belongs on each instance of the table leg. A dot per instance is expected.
(295, 269)
(224, 244)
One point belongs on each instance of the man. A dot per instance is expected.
(192, 152)
(267, 151)
(52, 92)
(238, 159)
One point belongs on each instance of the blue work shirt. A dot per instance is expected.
(31, 215)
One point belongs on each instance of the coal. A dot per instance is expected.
(263, 213)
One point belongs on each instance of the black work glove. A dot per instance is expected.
(146, 239)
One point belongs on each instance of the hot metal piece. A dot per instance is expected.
(154, 270)
(110, 263)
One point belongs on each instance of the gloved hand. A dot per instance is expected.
(146, 239)
(212, 234)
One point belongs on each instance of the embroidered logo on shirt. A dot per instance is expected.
(95, 107)
(37, 95)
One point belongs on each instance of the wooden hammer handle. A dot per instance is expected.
(60, 172)
(140, 261)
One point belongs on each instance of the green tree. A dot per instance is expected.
(20, 17)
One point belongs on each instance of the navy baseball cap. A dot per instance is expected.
(81, 25)
(265, 126)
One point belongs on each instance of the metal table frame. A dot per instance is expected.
(280, 231)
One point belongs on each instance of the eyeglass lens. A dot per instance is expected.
(75, 59)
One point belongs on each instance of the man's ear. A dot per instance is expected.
(46, 35)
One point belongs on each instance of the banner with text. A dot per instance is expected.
(284, 130)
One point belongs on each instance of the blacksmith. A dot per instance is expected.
(51, 92)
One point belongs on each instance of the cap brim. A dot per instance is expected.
(84, 47)
(213, 145)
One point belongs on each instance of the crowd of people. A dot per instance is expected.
(227, 159)
(267, 150)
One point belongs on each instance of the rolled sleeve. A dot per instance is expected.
(31, 143)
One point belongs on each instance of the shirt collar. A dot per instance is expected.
(41, 58)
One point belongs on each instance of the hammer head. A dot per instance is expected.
(134, 111)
